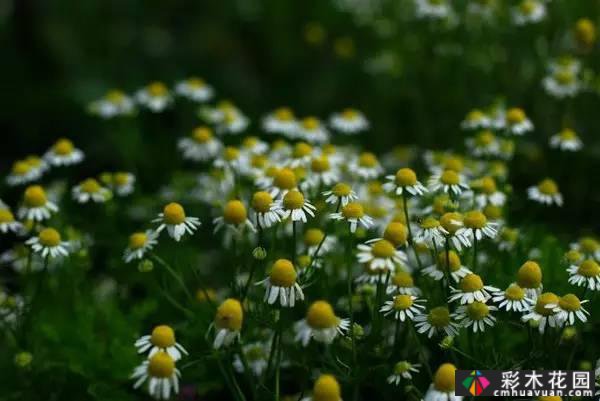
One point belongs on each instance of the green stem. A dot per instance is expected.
(410, 235)
(173, 273)
(351, 311)
(474, 252)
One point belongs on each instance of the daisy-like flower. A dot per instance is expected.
(404, 180)
(517, 122)
(314, 238)
(281, 121)
(529, 277)
(49, 243)
(470, 289)
(544, 313)
(402, 282)
(311, 130)
(234, 218)
(326, 388)
(256, 356)
(528, 12)
(228, 323)
(284, 180)
(194, 89)
(438, 270)
(586, 274)
(91, 190)
(585, 34)
(566, 140)
(513, 298)
(483, 9)
(8, 222)
(452, 222)
(433, 9)
(263, 206)
(122, 183)
(63, 153)
(366, 166)
(396, 233)
(437, 321)
(546, 193)
(254, 146)
(477, 226)
(349, 121)
(155, 97)
(487, 192)
(300, 157)
(26, 171)
(162, 339)
(444, 385)
(36, 206)
(233, 121)
(341, 193)
(295, 205)
(321, 172)
(403, 307)
(160, 373)
(562, 83)
(588, 246)
(403, 370)
(380, 254)
(321, 324)
(430, 232)
(476, 315)
(173, 218)
(475, 119)
(200, 146)
(281, 285)
(484, 143)
(230, 159)
(570, 307)
(114, 103)
(448, 181)
(139, 244)
(353, 213)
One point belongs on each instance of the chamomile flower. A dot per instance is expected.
(349, 121)
(470, 289)
(25, 171)
(36, 206)
(403, 307)
(484, 143)
(294, 205)
(228, 323)
(139, 244)
(476, 315)
(122, 183)
(234, 218)
(446, 264)
(483, 9)
(256, 356)
(380, 254)
(431, 232)
(281, 121)
(322, 173)
(402, 282)
(312, 131)
(586, 274)
(341, 193)
(562, 83)
(284, 180)
(300, 157)
(528, 12)
(353, 213)
(448, 181)
(314, 238)
(585, 34)
(194, 89)
(475, 119)
(403, 370)
(566, 140)
(231, 160)
(175, 221)
(113, 104)
(487, 192)
(477, 226)
(63, 153)
(546, 193)
(281, 285)
(162, 339)
(543, 313)
(90, 190)
(264, 207)
(513, 298)
(200, 146)
(437, 321)
(517, 122)
(588, 246)
(365, 166)
(232, 122)
(570, 307)
(326, 388)
(254, 146)
(49, 244)
(155, 97)
(160, 373)
(404, 180)
(320, 324)
(8, 222)
(529, 277)
(433, 9)
(396, 233)
(452, 222)
(444, 385)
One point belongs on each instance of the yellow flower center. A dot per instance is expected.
(477, 310)
(6, 216)
(326, 388)
(285, 179)
(589, 268)
(137, 240)
(90, 186)
(353, 210)
(451, 221)
(63, 147)
(487, 185)
(585, 32)
(450, 177)
(320, 164)
(515, 115)
(35, 196)
(163, 336)
(367, 159)
(514, 293)
(310, 123)
(173, 213)
(202, 134)
(231, 153)
(196, 83)
(567, 134)
(402, 302)
(403, 279)
(406, 177)
(396, 233)
(529, 275)
(475, 115)
(49, 237)
(293, 200)
(234, 212)
(230, 315)
(284, 114)
(527, 6)
(492, 212)
(569, 302)
(439, 317)
(383, 249)
(544, 300)
(589, 244)
(283, 273)
(21, 168)
(549, 398)
(548, 187)
(203, 295)
(121, 179)
(161, 365)
(349, 114)
(573, 256)
(564, 77)
(115, 96)
(475, 219)
(313, 237)
(157, 89)
(454, 163)
(452, 257)
(471, 283)
(261, 201)
(302, 149)
(485, 138)
(443, 379)
(259, 161)
(320, 315)
(429, 223)
(341, 189)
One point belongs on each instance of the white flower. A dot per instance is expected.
(438, 270)
(570, 307)
(139, 244)
(311, 130)
(8, 222)
(476, 315)
(341, 193)
(404, 180)
(566, 140)
(256, 355)
(403, 307)
(63, 153)
(234, 218)
(173, 218)
(586, 274)
(320, 324)
(349, 121)
(265, 209)
(365, 166)
(561, 84)
(200, 146)
(354, 214)
(471, 289)
(448, 181)
(122, 183)
(91, 190)
(160, 373)
(476, 119)
(114, 103)
(295, 205)
(155, 97)
(36, 205)
(543, 313)
(380, 254)
(546, 193)
(194, 89)
(162, 339)
(28, 170)
(49, 243)
(528, 12)
(432, 9)
(516, 121)
(403, 370)
(281, 285)
(281, 121)
(514, 298)
(431, 232)
(437, 321)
